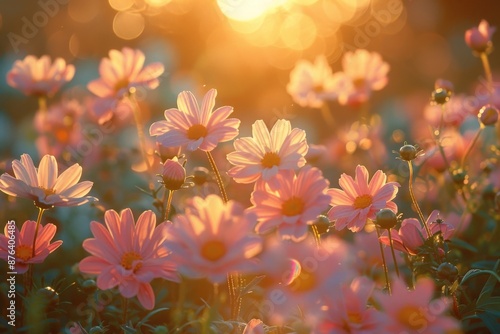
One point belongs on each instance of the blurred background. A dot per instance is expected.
(244, 48)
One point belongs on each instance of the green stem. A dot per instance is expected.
(392, 251)
(125, 310)
(218, 177)
(140, 135)
(232, 279)
(169, 203)
(33, 249)
(414, 200)
(386, 271)
(487, 72)
(316, 235)
(327, 116)
(471, 145)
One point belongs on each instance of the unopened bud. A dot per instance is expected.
(408, 152)
(479, 39)
(386, 219)
(201, 175)
(441, 96)
(173, 174)
(488, 115)
(447, 271)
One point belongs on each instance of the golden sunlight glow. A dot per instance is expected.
(121, 5)
(128, 25)
(298, 31)
(245, 10)
(157, 3)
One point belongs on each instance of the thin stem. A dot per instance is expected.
(125, 310)
(487, 72)
(169, 203)
(437, 138)
(471, 145)
(414, 200)
(316, 235)
(392, 251)
(33, 249)
(140, 135)
(232, 279)
(217, 177)
(327, 116)
(386, 271)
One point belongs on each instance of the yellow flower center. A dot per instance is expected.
(305, 282)
(412, 317)
(363, 201)
(213, 250)
(120, 84)
(359, 83)
(128, 260)
(24, 252)
(292, 207)
(196, 132)
(270, 159)
(354, 317)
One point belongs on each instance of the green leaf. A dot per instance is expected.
(150, 314)
(462, 244)
(490, 320)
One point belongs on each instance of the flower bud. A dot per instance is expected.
(441, 96)
(479, 39)
(89, 286)
(201, 175)
(447, 271)
(459, 177)
(386, 219)
(173, 174)
(322, 223)
(408, 152)
(488, 115)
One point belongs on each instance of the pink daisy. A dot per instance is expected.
(266, 153)
(59, 127)
(293, 203)
(311, 84)
(360, 200)
(213, 239)
(24, 244)
(195, 127)
(414, 311)
(39, 77)
(44, 185)
(363, 72)
(412, 234)
(123, 70)
(348, 312)
(129, 255)
(317, 272)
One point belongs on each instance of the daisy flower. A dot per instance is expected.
(24, 244)
(311, 83)
(412, 234)
(213, 239)
(123, 70)
(359, 200)
(363, 72)
(348, 313)
(195, 127)
(266, 153)
(414, 311)
(39, 77)
(293, 203)
(128, 255)
(318, 271)
(44, 185)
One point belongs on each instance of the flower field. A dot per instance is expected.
(249, 166)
